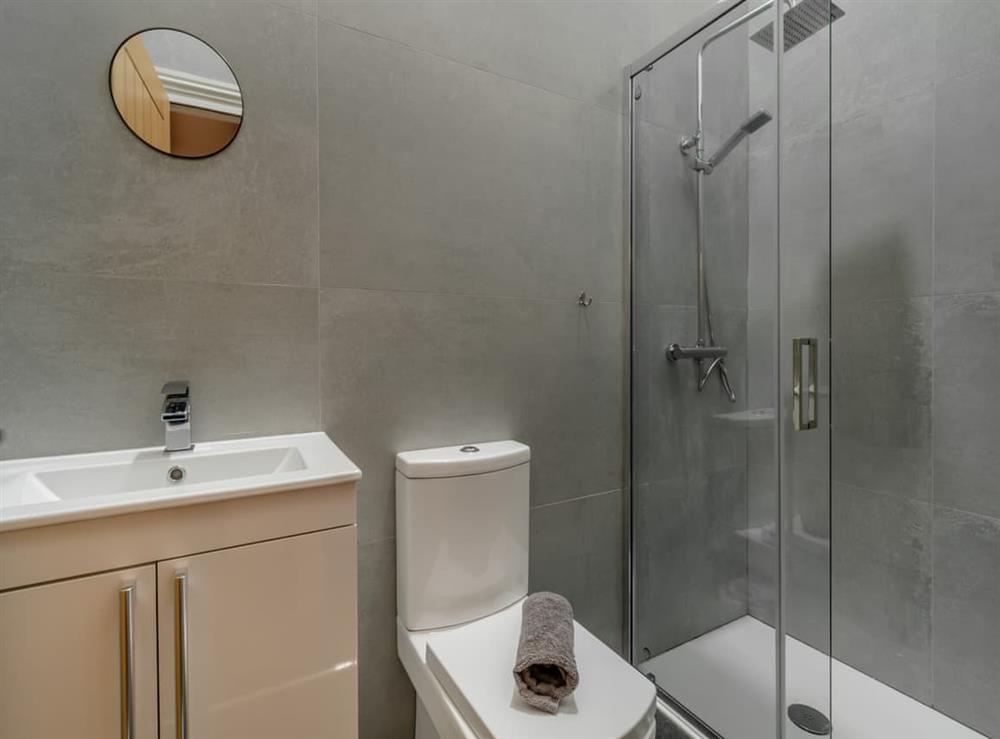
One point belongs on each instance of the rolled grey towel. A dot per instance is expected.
(545, 670)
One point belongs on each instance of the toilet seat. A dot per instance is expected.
(462, 676)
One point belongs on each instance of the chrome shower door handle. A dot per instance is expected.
(804, 391)
(180, 655)
(126, 660)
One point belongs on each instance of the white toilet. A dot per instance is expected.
(462, 572)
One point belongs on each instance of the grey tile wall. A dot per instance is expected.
(577, 49)
(82, 359)
(966, 672)
(881, 51)
(966, 399)
(576, 550)
(966, 612)
(466, 159)
(409, 370)
(384, 691)
(83, 195)
(123, 268)
(882, 587)
(885, 235)
(967, 144)
(471, 184)
(512, 190)
(882, 395)
(691, 562)
(966, 37)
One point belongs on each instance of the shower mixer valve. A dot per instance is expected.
(716, 358)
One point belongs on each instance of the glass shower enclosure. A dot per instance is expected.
(730, 371)
(814, 477)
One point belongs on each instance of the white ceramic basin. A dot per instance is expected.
(35, 492)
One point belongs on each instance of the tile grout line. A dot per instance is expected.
(321, 420)
(588, 496)
(415, 49)
(318, 288)
(933, 545)
(482, 296)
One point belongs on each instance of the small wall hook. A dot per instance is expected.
(583, 300)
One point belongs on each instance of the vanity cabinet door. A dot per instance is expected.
(259, 641)
(64, 666)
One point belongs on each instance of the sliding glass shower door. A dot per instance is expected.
(730, 368)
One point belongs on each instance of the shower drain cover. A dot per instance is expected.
(809, 719)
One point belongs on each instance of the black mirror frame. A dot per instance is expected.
(221, 56)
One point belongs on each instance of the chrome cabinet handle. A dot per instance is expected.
(804, 405)
(180, 655)
(126, 660)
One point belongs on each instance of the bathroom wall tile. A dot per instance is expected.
(967, 147)
(691, 567)
(412, 370)
(576, 49)
(688, 432)
(762, 232)
(883, 201)
(762, 551)
(665, 221)
(761, 360)
(309, 7)
(882, 51)
(576, 551)
(882, 588)
(808, 584)
(83, 195)
(386, 700)
(808, 559)
(644, 355)
(966, 613)
(966, 398)
(804, 258)
(439, 177)
(727, 205)
(83, 360)
(967, 33)
(882, 413)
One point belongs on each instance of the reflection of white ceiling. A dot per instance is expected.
(183, 53)
(200, 92)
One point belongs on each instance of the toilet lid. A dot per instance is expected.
(473, 663)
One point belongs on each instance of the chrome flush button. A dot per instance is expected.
(469, 449)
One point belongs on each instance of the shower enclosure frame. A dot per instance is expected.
(685, 720)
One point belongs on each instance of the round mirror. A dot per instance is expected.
(176, 93)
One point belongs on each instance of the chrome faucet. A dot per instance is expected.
(176, 416)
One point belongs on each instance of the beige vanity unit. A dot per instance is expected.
(207, 594)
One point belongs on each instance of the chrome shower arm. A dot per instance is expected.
(729, 27)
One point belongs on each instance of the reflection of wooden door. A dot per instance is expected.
(139, 94)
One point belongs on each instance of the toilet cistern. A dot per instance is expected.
(176, 416)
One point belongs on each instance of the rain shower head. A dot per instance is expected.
(801, 21)
(754, 123)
